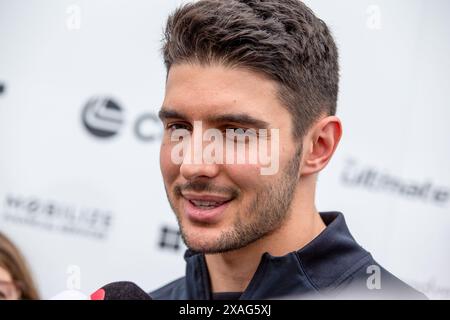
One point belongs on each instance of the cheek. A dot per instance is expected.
(169, 170)
(246, 176)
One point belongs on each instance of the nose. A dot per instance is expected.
(195, 165)
(194, 171)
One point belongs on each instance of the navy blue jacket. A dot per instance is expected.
(332, 266)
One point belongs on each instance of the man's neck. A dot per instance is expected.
(232, 271)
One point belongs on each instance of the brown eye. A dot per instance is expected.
(235, 132)
(177, 126)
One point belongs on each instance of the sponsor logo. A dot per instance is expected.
(377, 180)
(102, 117)
(54, 216)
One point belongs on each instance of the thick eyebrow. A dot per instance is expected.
(240, 118)
(165, 114)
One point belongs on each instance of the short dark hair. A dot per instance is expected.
(282, 39)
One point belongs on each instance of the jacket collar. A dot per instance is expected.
(319, 266)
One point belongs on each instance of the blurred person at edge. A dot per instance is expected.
(16, 282)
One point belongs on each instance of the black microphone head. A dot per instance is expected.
(120, 291)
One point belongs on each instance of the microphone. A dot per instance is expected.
(120, 291)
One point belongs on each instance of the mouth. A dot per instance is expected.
(205, 208)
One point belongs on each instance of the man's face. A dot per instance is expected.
(223, 207)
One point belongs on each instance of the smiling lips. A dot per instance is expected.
(206, 205)
(205, 208)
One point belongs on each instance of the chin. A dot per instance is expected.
(198, 241)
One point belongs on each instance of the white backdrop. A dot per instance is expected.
(81, 192)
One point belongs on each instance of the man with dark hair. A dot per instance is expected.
(254, 73)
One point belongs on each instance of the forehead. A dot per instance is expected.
(199, 91)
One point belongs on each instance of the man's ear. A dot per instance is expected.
(320, 143)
